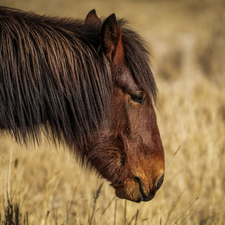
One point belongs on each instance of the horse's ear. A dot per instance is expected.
(92, 18)
(111, 40)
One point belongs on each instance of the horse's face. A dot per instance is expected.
(134, 125)
(129, 152)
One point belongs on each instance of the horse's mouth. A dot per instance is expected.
(149, 197)
(134, 191)
(139, 198)
(134, 194)
(145, 198)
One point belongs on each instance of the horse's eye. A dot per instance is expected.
(137, 98)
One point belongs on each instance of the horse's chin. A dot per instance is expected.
(129, 191)
(123, 195)
(132, 195)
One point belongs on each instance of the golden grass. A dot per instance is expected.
(187, 41)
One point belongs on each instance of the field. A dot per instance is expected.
(187, 42)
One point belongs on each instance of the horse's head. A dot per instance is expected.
(128, 150)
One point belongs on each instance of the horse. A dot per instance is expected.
(87, 84)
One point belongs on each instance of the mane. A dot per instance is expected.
(53, 76)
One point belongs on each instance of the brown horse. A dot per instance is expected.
(89, 85)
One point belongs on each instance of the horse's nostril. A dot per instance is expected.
(159, 183)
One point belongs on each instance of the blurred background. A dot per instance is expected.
(187, 42)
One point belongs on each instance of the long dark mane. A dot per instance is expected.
(53, 76)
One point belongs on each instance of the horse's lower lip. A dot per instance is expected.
(140, 198)
(144, 198)
(149, 198)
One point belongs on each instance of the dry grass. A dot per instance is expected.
(188, 47)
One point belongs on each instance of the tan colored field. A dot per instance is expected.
(187, 40)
